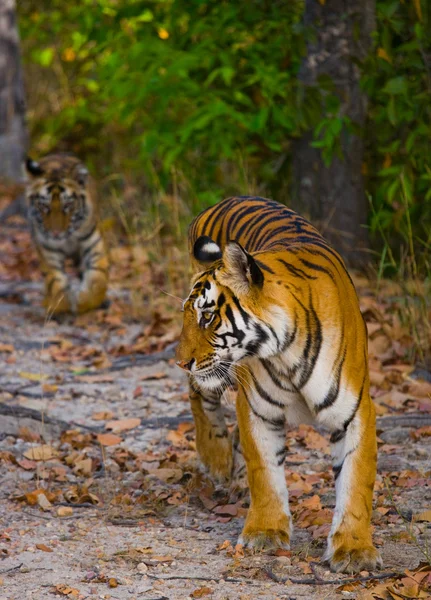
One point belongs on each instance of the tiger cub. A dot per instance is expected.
(63, 223)
(273, 308)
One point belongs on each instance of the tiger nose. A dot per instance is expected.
(185, 364)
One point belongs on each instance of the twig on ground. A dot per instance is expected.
(319, 581)
(12, 569)
(196, 578)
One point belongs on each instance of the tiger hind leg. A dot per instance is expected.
(239, 484)
(213, 442)
(354, 451)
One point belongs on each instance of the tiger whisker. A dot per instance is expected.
(170, 295)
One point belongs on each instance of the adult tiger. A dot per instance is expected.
(276, 310)
(63, 223)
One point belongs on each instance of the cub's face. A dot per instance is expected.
(57, 200)
(220, 328)
(55, 206)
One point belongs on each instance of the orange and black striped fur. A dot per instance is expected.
(63, 222)
(273, 308)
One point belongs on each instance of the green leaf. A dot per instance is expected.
(396, 85)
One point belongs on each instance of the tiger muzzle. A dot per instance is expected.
(185, 364)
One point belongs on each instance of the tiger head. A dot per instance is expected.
(57, 194)
(224, 315)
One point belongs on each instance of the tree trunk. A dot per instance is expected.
(13, 134)
(333, 196)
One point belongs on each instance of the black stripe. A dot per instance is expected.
(337, 436)
(312, 346)
(249, 210)
(271, 215)
(254, 345)
(276, 423)
(290, 337)
(218, 213)
(334, 389)
(233, 220)
(87, 236)
(322, 243)
(358, 402)
(245, 316)
(315, 267)
(272, 233)
(263, 266)
(295, 271)
(90, 247)
(337, 469)
(54, 250)
(265, 396)
(276, 381)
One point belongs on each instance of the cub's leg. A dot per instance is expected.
(213, 443)
(263, 441)
(354, 452)
(57, 292)
(95, 265)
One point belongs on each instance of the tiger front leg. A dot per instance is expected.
(57, 293)
(263, 441)
(94, 284)
(354, 450)
(213, 442)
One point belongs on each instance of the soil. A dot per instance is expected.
(141, 521)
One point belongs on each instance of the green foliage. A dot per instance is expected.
(202, 98)
(397, 80)
(194, 87)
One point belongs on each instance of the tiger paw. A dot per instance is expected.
(268, 539)
(266, 532)
(354, 560)
(58, 305)
(86, 301)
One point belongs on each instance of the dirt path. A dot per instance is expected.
(114, 506)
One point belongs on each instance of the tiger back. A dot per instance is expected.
(64, 225)
(273, 308)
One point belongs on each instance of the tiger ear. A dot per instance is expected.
(81, 175)
(33, 167)
(241, 268)
(205, 250)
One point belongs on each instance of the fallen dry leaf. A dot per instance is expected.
(123, 425)
(66, 590)
(43, 452)
(49, 388)
(33, 376)
(99, 378)
(138, 392)
(44, 548)
(6, 348)
(166, 474)
(423, 516)
(43, 502)
(64, 511)
(159, 375)
(108, 439)
(27, 464)
(103, 415)
(200, 592)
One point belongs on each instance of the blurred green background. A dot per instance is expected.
(201, 99)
